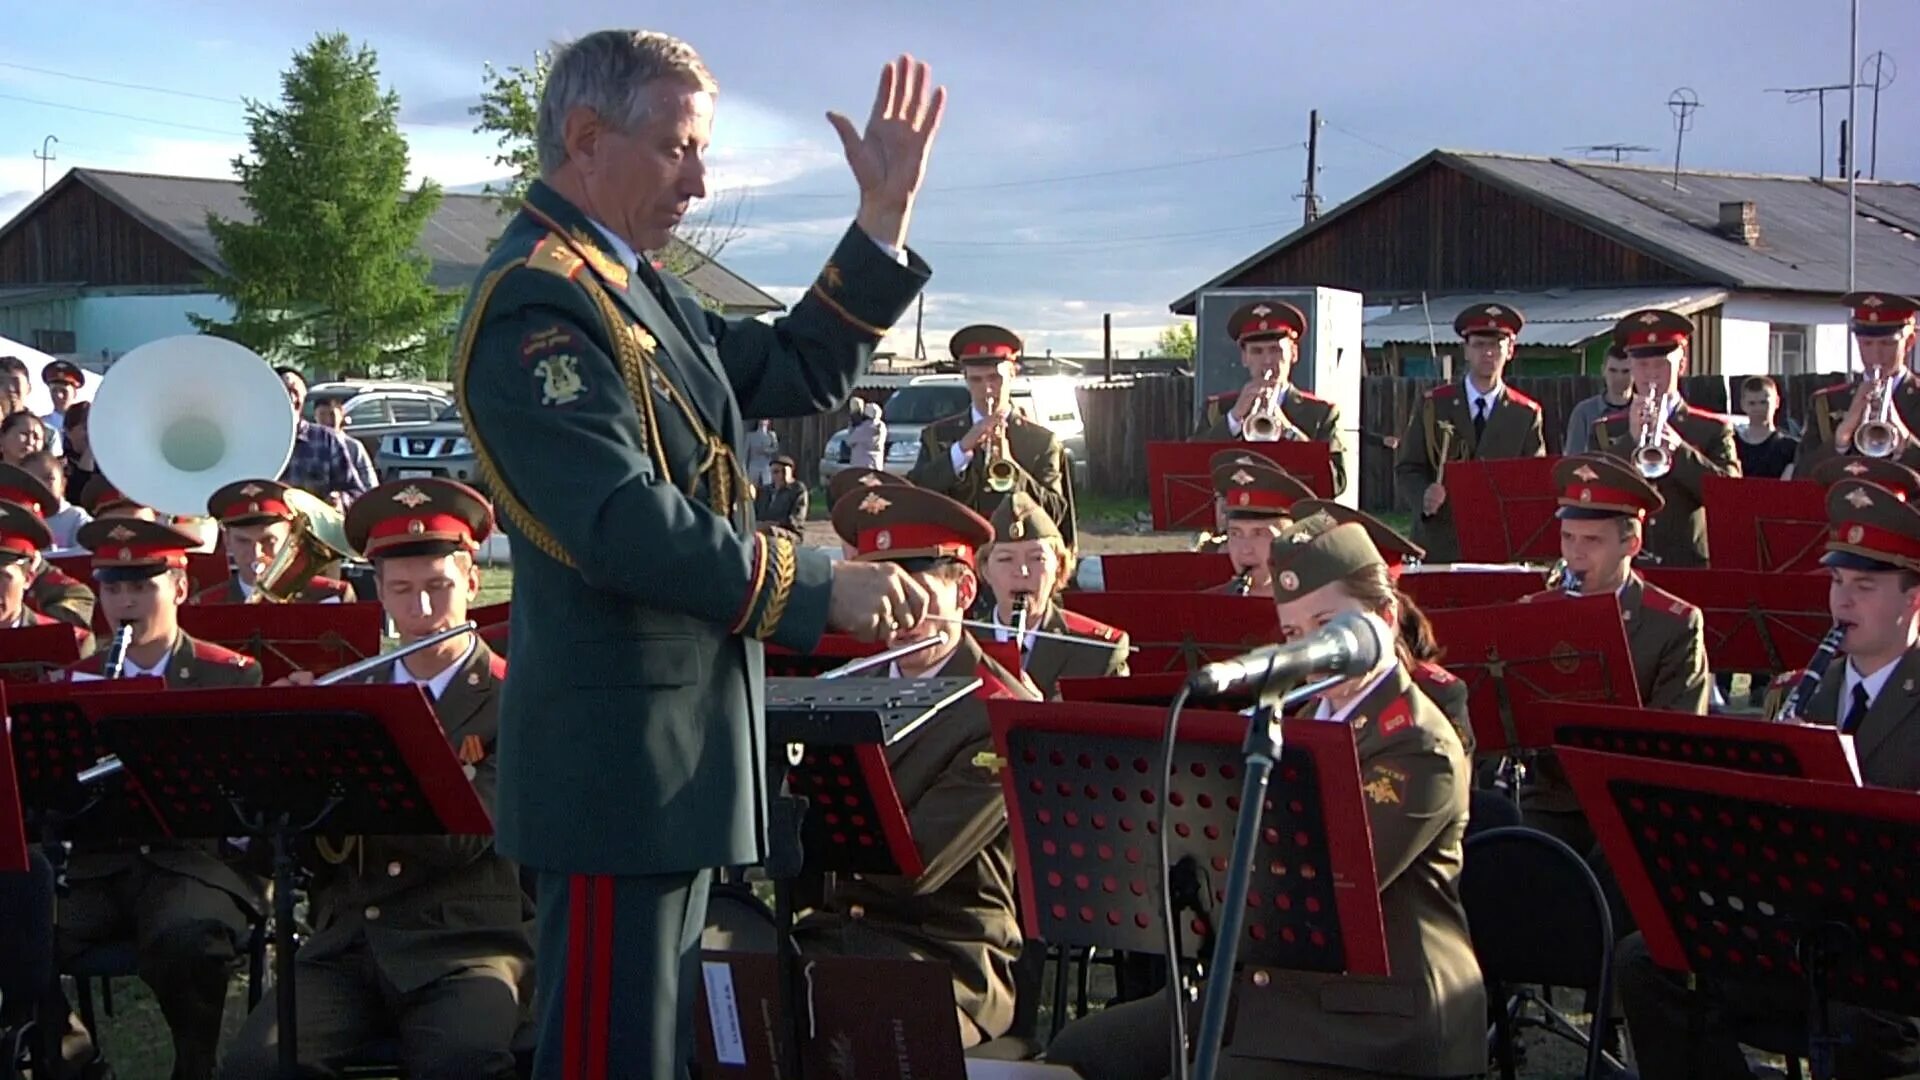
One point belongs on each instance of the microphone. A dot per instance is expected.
(1351, 644)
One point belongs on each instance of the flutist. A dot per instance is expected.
(1269, 407)
(1883, 327)
(1678, 444)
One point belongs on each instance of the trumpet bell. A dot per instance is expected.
(1653, 462)
(1000, 476)
(1876, 440)
(319, 539)
(176, 419)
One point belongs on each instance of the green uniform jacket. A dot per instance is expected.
(1039, 469)
(1442, 427)
(1100, 650)
(1829, 407)
(1429, 1017)
(428, 907)
(1678, 535)
(56, 593)
(607, 423)
(961, 908)
(1887, 742)
(1317, 417)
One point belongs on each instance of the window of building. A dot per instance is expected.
(1787, 350)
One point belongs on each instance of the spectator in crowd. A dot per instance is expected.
(21, 436)
(78, 452)
(867, 439)
(1765, 450)
(330, 413)
(15, 384)
(65, 519)
(762, 445)
(63, 380)
(322, 462)
(1618, 375)
(781, 502)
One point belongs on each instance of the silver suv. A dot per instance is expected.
(372, 410)
(439, 449)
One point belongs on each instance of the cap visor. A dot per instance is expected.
(1847, 560)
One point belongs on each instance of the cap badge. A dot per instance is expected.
(1649, 319)
(1855, 469)
(251, 490)
(883, 539)
(416, 527)
(253, 508)
(1017, 530)
(1585, 472)
(1241, 477)
(1859, 499)
(1493, 309)
(1242, 498)
(1586, 495)
(870, 480)
(1288, 580)
(126, 554)
(120, 532)
(411, 496)
(873, 504)
(1872, 301)
(1263, 311)
(1246, 459)
(1854, 534)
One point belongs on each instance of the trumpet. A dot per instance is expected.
(1876, 437)
(1263, 420)
(1652, 457)
(1000, 469)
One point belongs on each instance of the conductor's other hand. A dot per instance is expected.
(295, 678)
(871, 600)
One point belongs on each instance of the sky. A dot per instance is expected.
(1097, 157)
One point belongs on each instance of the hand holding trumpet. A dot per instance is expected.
(1872, 425)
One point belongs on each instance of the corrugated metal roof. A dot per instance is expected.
(1557, 318)
(455, 238)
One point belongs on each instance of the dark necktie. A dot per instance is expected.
(1857, 712)
(1479, 420)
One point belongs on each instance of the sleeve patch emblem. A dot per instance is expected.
(559, 380)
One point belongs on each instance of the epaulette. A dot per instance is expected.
(210, 653)
(1397, 717)
(1431, 672)
(497, 666)
(555, 256)
(1671, 603)
(1305, 395)
(1080, 624)
(1519, 398)
(1442, 392)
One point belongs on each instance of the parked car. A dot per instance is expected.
(438, 449)
(372, 410)
(1049, 400)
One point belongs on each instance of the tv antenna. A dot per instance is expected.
(1683, 103)
(45, 154)
(1618, 150)
(1877, 72)
(1818, 93)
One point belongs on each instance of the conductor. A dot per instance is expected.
(605, 407)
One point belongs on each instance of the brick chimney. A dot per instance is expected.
(1740, 223)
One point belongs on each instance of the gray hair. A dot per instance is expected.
(608, 71)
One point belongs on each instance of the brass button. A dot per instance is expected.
(393, 869)
(373, 912)
(146, 849)
(857, 912)
(1261, 978)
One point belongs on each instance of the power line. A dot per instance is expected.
(1252, 226)
(1132, 170)
(122, 85)
(121, 115)
(1357, 137)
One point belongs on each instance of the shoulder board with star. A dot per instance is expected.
(209, 653)
(496, 666)
(1305, 395)
(1519, 398)
(555, 256)
(1661, 600)
(1443, 392)
(1080, 624)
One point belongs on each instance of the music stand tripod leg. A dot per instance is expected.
(284, 832)
(1820, 949)
(786, 859)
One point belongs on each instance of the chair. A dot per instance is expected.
(1538, 917)
(1488, 809)
(119, 960)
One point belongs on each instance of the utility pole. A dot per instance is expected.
(1313, 166)
(919, 322)
(1106, 341)
(45, 154)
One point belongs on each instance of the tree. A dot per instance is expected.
(326, 276)
(509, 108)
(1176, 341)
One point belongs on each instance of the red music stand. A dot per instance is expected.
(1774, 526)
(1438, 588)
(1794, 751)
(1511, 656)
(1790, 882)
(28, 653)
(1755, 620)
(1164, 571)
(1503, 511)
(51, 741)
(1180, 476)
(13, 821)
(1179, 631)
(290, 637)
(1082, 788)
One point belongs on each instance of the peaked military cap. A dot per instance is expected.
(1260, 320)
(424, 516)
(1489, 319)
(1020, 517)
(1593, 487)
(60, 372)
(898, 523)
(1871, 528)
(1885, 472)
(1253, 486)
(1395, 548)
(783, 459)
(101, 498)
(1879, 314)
(984, 343)
(1308, 555)
(250, 502)
(128, 549)
(22, 488)
(1652, 331)
(860, 478)
(22, 533)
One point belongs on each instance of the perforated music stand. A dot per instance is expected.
(1438, 588)
(834, 650)
(1556, 649)
(1180, 476)
(1755, 620)
(290, 637)
(1164, 571)
(288, 762)
(1179, 631)
(29, 653)
(1771, 526)
(1792, 882)
(1794, 751)
(1503, 511)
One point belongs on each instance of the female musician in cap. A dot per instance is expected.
(1429, 1017)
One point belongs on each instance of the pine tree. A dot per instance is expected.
(326, 276)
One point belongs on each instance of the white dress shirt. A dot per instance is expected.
(1003, 634)
(436, 686)
(1477, 401)
(959, 457)
(1874, 683)
(1326, 711)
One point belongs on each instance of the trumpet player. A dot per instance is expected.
(1028, 566)
(980, 457)
(1479, 419)
(1259, 500)
(1873, 557)
(1269, 407)
(256, 524)
(1674, 443)
(1886, 395)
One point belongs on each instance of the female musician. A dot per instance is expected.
(21, 434)
(1429, 1017)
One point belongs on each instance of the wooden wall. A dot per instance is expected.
(77, 237)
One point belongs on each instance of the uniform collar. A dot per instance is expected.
(1325, 711)
(131, 670)
(621, 249)
(436, 686)
(1475, 397)
(1874, 683)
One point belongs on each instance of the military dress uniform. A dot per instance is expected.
(1253, 488)
(1426, 1019)
(1874, 314)
(1873, 530)
(604, 406)
(50, 590)
(1457, 423)
(22, 536)
(1040, 466)
(262, 502)
(1704, 446)
(783, 507)
(188, 911)
(1097, 649)
(1315, 417)
(421, 938)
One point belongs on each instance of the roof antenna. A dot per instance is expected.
(1684, 103)
(1433, 346)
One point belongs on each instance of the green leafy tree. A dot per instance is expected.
(1176, 341)
(326, 275)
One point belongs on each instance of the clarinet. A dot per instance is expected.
(1242, 582)
(1796, 707)
(1020, 621)
(116, 661)
(1570, 581)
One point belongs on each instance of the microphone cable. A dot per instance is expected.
(1169, 919)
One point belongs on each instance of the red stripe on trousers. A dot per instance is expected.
(601, 965)
(573, 1045)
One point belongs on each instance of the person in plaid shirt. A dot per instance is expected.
(322, 460)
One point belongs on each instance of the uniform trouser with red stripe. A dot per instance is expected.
(618, 975)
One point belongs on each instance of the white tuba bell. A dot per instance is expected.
(176, 419)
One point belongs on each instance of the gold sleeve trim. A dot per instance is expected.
(783, 570)
(759, 574)
(848, 316)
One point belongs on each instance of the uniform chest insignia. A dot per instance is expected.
(1380, 789)
(559, 380)
(830, 276)
(472, 750)
(412, 497)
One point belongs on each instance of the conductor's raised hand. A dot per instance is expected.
(889, 159)
(874, 600)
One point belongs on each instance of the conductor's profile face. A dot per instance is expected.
(641, 182)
